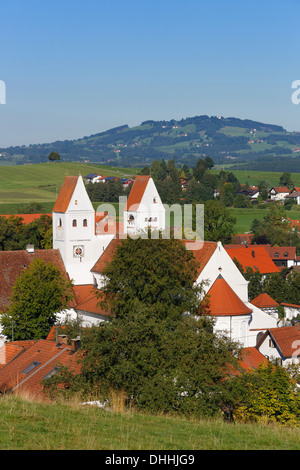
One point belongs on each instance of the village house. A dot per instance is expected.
(281, 345)
(92, 178)
(279, 193)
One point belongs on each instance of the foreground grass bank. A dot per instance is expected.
(27, 425)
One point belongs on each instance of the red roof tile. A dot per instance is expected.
(281, 189)
(65, 194)
(202, 252)
(251, 358)
(264, 301)
(27, 218)
(87, 300)
(287, 339)
(107, 255)
(223, 301)
(137, 192)
(255, 257)
(47, 355)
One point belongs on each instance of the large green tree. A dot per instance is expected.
(218, 222)
(158, 272)
(38, 295)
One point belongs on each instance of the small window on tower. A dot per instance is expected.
(59, 222)
(85, 222)
(74, 223)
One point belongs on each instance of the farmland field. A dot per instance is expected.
(41, 182)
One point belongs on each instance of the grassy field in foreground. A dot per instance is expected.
(27, 425)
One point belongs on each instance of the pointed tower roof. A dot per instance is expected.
(264, 301)
(223, 301)
(65, 194)
(137, 192)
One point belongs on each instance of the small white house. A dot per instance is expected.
(281, 344)
(279, 193)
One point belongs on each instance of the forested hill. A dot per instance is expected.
(225, 140)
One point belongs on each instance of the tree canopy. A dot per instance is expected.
(38, 295)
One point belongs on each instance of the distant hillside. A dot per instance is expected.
(226, 140)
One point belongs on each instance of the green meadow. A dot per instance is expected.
(32, 425)
(41, 182)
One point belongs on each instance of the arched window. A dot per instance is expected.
(74, 223)
(59, 222)
(85, 222)
(131, 217)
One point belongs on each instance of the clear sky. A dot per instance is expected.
(74, 68)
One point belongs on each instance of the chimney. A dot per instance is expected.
(75, 344)
(30, 248)
(62, 339)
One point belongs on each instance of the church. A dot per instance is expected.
(87, 240)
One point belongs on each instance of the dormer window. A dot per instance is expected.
(286, 254)
(276, 254)
(74, 223)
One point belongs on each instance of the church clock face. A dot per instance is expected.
(78, 251)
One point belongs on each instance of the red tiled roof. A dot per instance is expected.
(223, 301)
(65, 194)
(251, 358)
(255, 257)
(137, 192)
(202, 252)
(281, 189)
(264, 301)
(27, 218)
(10, 350)
(12, 263)
(287, 339)
(87, 300)
(47, 354)
(107, 255)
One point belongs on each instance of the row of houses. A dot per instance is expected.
(84, 242)
(97, 178)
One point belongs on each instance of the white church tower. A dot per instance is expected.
(144, 208)
(74, 231)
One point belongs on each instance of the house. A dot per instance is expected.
(279, 193)
(92, 178)
(295, 195)
(31, 364)
(126, 182)
(281, 344)
(282, 256)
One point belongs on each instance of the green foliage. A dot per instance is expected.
(269, 394)
(218, 222)
(157, 272)
(161, 366)
(54, 156)
(39, 294)
(15, 235)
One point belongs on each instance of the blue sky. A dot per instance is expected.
(75, 68)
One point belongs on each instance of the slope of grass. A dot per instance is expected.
(41, 182)
(27, 425)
